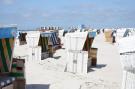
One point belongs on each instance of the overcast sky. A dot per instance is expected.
(94, 13)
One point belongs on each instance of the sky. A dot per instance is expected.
(29, 14)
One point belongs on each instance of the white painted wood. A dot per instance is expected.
(77, 62)
(61, 32)
(128, 81)
(32, 38)
(21, 51)
(128, 61)
(120, 32)
(17, 43)
(35, 53)
(126, 44)
(77, 59)
(75, 41)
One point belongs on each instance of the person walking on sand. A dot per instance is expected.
(114, 36)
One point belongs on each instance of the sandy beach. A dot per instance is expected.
(70, 44)
(50, 73)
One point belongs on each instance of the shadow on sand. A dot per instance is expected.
(98, 66)
(57, 57)
(90, 70)
(37, 86)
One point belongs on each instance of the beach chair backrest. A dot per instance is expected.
(7, 35)
(121, 32)
(75, 41)
(52, 37)
(126, 44)
(22, 38)
(32, 38)
(108, 33)
(88, 43)
(43, 42)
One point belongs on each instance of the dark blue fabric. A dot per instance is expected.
(52, 37)
(6, 80)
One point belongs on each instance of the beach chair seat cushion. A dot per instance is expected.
(4, 81)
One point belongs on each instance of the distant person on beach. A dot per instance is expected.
(103, 30)
(114, 36)
(98, 31)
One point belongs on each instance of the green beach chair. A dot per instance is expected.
(7, 35)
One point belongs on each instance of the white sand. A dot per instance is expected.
(49, 73)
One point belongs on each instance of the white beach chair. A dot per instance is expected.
(77, 58)
(127, 55)
(75, 41)
(32, 38)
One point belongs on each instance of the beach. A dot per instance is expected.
(50, 73)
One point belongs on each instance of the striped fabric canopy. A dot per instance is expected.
(43, 42)
(52, 37)
(6, 47)
(48, 38)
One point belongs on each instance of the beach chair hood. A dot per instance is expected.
(75, 41)
(126, 44)
(7, 35)
(32, 38)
